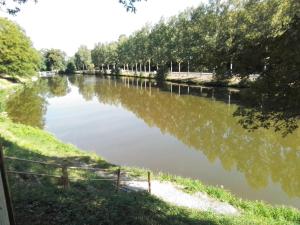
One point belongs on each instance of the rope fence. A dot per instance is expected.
(65, 173)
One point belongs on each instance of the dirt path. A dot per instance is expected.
(172, 194)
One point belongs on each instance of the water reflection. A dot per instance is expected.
(209, 127)
(29, 105)
(200, 123)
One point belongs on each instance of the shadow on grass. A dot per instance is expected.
(43, 201)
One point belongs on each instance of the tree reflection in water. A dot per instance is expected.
(29, 105)
(209, 126)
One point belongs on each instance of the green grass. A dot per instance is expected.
(44, 201)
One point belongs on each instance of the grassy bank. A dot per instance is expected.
(44, 201)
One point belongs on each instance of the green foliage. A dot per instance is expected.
(54, 59)
(71, 68)
(17, 56)
(210, 37)
(83, 60)
(274, 100)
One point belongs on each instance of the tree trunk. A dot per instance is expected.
(149, 66)
(171, 67)
(179, 68)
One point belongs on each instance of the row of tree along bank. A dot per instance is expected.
(226, 38)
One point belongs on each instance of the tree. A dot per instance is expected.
(274, 100)
(17, 56)
(83, 59)
(54, 59)
(71, 68)
(98, 55)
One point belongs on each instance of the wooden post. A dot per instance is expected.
(149, 182)
(6, 210)
(118, 179)
(65, 177)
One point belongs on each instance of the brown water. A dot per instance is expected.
(135, 123)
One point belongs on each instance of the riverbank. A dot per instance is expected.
(43, 200)
(204, 79)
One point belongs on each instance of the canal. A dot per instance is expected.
(187, 131)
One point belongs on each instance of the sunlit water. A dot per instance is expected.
(192, 133)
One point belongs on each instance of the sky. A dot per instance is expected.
(67, 24)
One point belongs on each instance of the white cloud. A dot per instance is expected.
(66, 24)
